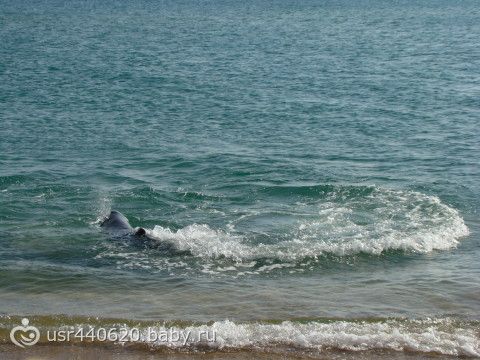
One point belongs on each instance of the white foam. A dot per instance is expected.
(203, 241)
(441, 336)
(383, 220)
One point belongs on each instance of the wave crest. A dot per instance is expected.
(445, 336)
(373, 223)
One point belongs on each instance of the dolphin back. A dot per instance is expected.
(116, 221)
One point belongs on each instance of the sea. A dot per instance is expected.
(308, 171)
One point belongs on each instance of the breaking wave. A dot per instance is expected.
(443, 336)
(428, 336)
(380, 221)
(303, 230)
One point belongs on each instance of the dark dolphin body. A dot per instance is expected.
(118, 223)
(119, 227)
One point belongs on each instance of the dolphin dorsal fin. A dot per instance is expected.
(140, 232)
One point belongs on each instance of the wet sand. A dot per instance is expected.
(112, 352)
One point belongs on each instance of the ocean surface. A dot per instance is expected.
(309, 171)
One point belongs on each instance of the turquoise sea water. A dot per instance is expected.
(309, 164)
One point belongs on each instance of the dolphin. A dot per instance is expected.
(118, 223)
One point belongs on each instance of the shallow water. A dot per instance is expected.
(294, 161)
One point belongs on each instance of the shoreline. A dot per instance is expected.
(116, 352)
(64, 337)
